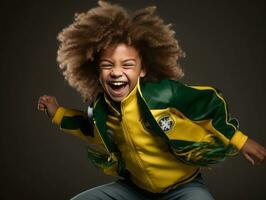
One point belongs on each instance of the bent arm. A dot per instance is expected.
(74, 122)
(207, 107)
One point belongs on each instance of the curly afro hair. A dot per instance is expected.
(82, 42)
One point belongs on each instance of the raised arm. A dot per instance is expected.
(71, 121)
(48, 104)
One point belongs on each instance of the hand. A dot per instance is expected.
(253, 152)
(48, 104)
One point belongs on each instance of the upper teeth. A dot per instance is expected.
(117, 83)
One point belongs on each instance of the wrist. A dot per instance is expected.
(58, 115)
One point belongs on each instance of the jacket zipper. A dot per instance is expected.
(132, 146)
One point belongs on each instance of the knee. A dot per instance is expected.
(198, 194)
(88, 194)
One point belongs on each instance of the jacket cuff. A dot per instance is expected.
(238, 140)
(59, 114)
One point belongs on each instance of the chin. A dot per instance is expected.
(117, 99)
(118, 96)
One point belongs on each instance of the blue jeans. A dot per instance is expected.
(125, 190)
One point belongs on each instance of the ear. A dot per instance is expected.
(142, 73)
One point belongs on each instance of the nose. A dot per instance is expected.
(116, 72)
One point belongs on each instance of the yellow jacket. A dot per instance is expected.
(161, 134)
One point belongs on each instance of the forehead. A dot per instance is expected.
(120, 51)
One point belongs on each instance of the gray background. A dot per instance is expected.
(225, 46)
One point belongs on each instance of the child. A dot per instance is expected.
(146, 126)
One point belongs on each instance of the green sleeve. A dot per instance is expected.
(74, 122)
(206, 105)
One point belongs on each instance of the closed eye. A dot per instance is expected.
(128, 65)
(105, 66)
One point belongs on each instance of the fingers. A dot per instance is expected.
(254, 152)
(261, 155)
(257, 158)
(249, 158)
(41, 107)
(44, 101)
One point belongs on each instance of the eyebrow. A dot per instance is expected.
(104, 59)
(129, 59)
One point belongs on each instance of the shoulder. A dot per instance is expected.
(161, 84)
(159, 94)
(165, 93)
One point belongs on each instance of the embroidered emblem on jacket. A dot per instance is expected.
(166, 123)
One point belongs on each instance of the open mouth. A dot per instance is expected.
(117, 85)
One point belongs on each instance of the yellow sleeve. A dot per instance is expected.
(74, 122)
(238, 140)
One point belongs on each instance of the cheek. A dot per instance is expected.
(101, 80)
(133, 78)
(102, 77)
